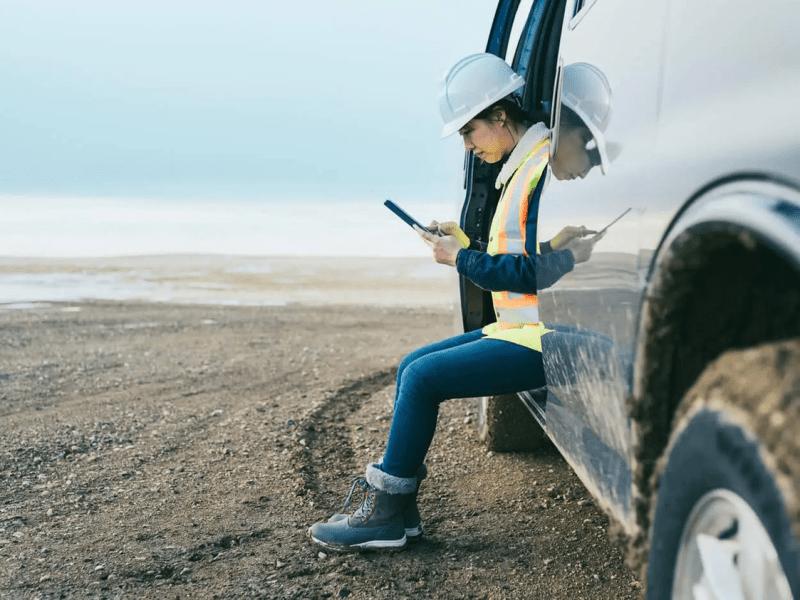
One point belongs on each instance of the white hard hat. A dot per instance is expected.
(473, 84)
(585, 90)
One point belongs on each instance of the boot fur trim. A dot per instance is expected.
(389, 483)
(422, 470)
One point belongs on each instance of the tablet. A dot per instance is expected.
(404, 215)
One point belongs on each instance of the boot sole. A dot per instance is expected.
(370, 545)
(413, 534)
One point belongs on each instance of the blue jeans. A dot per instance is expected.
(465, 366)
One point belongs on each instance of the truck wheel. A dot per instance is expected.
(722, 527)
(506, 425)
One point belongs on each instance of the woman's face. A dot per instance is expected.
(572, 158)
(487, 139)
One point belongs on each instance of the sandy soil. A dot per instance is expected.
(176, 451)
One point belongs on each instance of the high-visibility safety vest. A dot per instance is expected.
(517, 314)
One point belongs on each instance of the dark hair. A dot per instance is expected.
(570, 120)
(510, 106)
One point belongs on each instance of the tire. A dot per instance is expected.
(721, 521)
(506, 425)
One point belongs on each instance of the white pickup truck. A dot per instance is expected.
(685, 426)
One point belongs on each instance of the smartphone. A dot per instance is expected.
(404, 215)
(603, 230)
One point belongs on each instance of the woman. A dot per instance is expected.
(506, 356)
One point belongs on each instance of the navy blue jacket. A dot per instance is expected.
(515, 272)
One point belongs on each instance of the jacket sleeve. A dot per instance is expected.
(516, 272)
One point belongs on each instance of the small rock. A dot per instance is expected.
(322, 555)
(99, 567)
(44, 578)
(217, 412)
(343, 593)
(279, 564)
(186, 570)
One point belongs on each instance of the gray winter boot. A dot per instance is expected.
(378, 522)
(411, 519)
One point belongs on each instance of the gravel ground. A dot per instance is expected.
(167, 451)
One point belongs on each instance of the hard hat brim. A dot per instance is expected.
(453, 126)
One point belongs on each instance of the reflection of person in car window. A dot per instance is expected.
(503, 357)
(573, 159)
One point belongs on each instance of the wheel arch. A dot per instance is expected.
(726, 275)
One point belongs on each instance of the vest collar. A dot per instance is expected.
(535, 134)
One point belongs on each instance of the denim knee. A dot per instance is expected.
(419, 379)
(407, 360)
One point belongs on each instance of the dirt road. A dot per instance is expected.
(165, 451)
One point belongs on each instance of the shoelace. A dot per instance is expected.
(362, 481)
(366, 499)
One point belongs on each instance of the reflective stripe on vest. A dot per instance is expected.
(507, 235)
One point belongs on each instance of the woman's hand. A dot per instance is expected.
(452, 228)
(566, 235)
(445, 248)
(582, 249)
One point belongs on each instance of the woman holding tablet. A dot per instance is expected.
(506, 356)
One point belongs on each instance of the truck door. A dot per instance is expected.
(596, 306)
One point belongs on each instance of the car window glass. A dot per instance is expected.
(520, 18)
(580, 9)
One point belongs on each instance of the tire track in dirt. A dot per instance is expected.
(322, 436)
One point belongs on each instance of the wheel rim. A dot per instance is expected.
(726, 554)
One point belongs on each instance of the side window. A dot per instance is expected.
(517, 29)
(581, 8)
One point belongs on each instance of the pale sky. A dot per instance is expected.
(236, 99)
